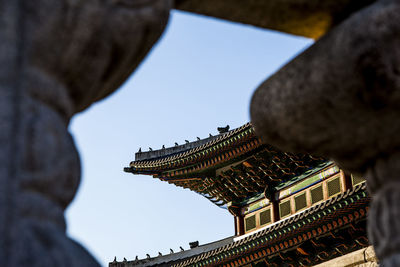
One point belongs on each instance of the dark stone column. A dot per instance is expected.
(384, 215)
(341, 99)
(310, 18)
(56, 58)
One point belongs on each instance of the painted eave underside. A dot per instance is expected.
(229, 167)
(344, 211)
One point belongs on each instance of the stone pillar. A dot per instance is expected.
(310, 18)
(341, 99)
(384, 215)
(360, 258)
(56, 58)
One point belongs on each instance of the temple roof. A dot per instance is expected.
(229, 167)
(176, 256)
(338, 224)
(311, 221)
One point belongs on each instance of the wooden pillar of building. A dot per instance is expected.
(239, 225)
(275, 210)
(238, 219)
(346, 178)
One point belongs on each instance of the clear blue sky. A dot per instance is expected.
(200, 75)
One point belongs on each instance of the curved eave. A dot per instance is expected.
(197, 154)
(338, 212)
(137, 171)
(232, 167)
(324, 221)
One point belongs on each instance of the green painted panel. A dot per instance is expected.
(253, 207)
(306, 183)
(309, 181)
(304, 175)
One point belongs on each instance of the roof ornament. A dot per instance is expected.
(194, 244)
(125, 259)
(137, 258)
(187, 141)
(176, 144)
(140, 150)
(181, 248)
(223, 129)
(150, 149)
(209, 135)
(159, 254)
(148, 256)
(198, 138)
(115, 259)
(171, 251)
(163, 146)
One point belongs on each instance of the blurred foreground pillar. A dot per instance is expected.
(56, 58)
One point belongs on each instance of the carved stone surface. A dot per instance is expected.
(364, 257)
(341, 96)
(311, 18)
(341, 99)
(56, 58)
(383, 220)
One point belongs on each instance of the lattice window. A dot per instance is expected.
(317, 194)
(300, 201)
(265, 217)
(334, 187)
(250, 223)
(356, 179)
(284, 209)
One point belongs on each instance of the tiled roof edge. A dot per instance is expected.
(185, 152)
(281, 224)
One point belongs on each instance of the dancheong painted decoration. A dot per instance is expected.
(289, 209)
